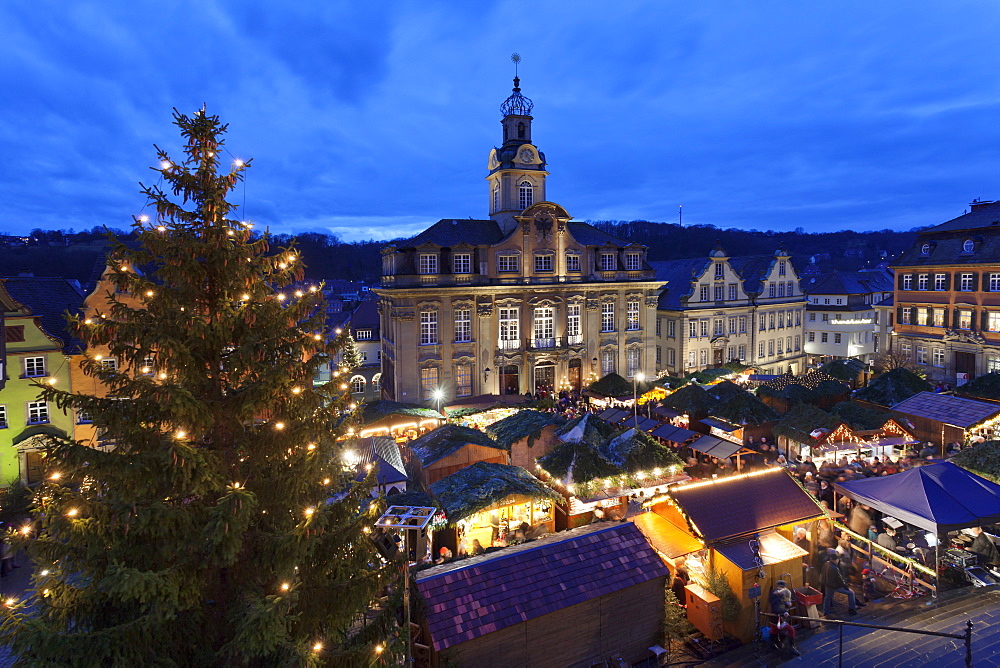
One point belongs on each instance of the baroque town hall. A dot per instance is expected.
(523, 301)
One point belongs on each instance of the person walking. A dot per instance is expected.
(834, 583)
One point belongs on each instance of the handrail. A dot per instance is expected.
(966, 637)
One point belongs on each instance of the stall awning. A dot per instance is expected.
(719, 424)
(665, 536)
(774, 548)
(669, 432)
(667, 412)
(644, 424)
(716, 447)
(894, 441)
(939, 497)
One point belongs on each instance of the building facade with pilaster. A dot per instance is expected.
(524, 301)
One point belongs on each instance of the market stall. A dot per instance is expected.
(527, 434)
(939, 498)
(397, 420)
(495, 504)
(942, 418)
(450, 448)
(735, 521)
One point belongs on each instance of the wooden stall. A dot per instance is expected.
(735, 520)
(943, 418)
(527, 434)
(449, 449)
(397, 420)
(577, 598)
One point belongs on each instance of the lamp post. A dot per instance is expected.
(406, 519)
(438, 396)
(486, 379)
(636, 379)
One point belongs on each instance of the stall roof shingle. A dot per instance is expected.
(471, 598)
(945, 408)
(744, 504)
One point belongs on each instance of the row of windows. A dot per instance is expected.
(937, 317)
(936, 358)
(35, 412)
(968, 246)
(965, 282)
(779, 346)
(430, 381)
(358, 383)
(543, 324)
(781, 289)
(837, 316)
(633, 361)
(857, 338)
(461, 263)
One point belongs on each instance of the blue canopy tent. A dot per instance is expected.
(940, 497)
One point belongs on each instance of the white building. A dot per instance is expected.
(841, 318)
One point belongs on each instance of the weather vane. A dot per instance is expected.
(515, 58)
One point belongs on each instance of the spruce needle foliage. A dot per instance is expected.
(221, 527)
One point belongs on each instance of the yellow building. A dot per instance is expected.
(524, 301)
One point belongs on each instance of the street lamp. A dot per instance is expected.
(438, 396)
(636, 379)
(486, 379)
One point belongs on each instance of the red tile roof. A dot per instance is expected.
(471, 598)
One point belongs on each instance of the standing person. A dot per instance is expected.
(860, 520)
(780, 598)
(834, 583)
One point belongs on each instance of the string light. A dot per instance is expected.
(378, 649)
(52, 381)
(10, 601)
(285, 586)
(326, 481)
(149, 293)
(309, 511)
(281, 296)
(245, 297)
(296, 390)
(88, 321)
(318, 647)
(299, 293)
(44, 573)
(238, 162)
(55, 476)
(311, 446)
(317, 337)
(313, 288)
(180, 434)
(279, 425)
(161, 228)
(163, 375)
(143, 218)
(71, 512)
(166, 164)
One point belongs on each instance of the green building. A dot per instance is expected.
(36, 347)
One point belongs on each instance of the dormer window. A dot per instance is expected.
(462, 263)
(720, 270)
(525, 194)
(428, 263)
(608, 262)
(968, 246)
(633, 261)
(781, 268)
(925, 249)
(543, 262)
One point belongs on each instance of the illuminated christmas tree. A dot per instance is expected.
(219, 524)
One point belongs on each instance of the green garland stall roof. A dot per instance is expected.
(692, 399)
(986, 386)
(859, 417)
(614, 385)
(379, 410)
(577, 462)
(484, 485)
(743, 409)
(791, 393)
(412, 498)
(797, 424)
(982, 459)
(892, 387)
(725, 390)
(670, 382)
(845, 369)
(514, 427)
(443, 441)
(637, 451)
(708, 375)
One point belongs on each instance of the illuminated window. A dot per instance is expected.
(463, 325)
(543, 262)
(508, 263)
(633, 261)
(428, 263)
(609, 262)
(632, 315)
(965, 283)
(428, 382)
(358, 384)
(572, 262)
(463, 380)
(607, 317)
(525, 194)
(38, 412)
(428, 328)
(462, 263)
(34, 367)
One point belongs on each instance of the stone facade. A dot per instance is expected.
(525, 301)
(719, 309)
(947, 297)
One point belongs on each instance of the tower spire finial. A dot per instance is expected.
(516, 58)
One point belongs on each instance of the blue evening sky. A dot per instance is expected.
(374, 119)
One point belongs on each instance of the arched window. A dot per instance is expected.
(526, 195)
(520, 130)
(925, 249)
(968, 246)
(376, 382)
(496, 197)
(358, 384)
